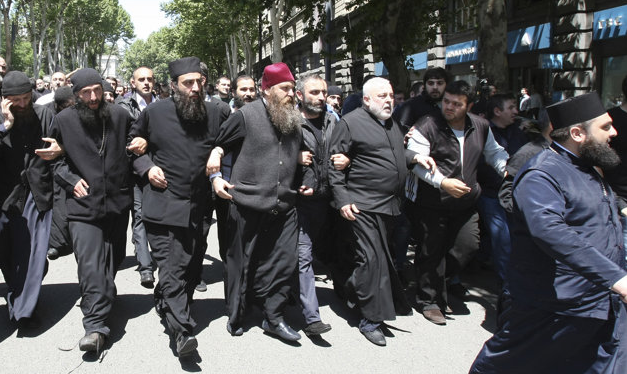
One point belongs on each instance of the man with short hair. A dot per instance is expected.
(223, 85)
(180, 132)
(142, 83)
(314, 212)
(245, 91)
(369, 195)
(25, 197)
(262, 256)
(95, 173)
(435, 80)
(564, 301)
(501, 112)
(444, 217)
(57, 80)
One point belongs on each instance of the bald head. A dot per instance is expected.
(143, 80)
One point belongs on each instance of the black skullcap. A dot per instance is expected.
(334, 90)
(85, 77)
(183, 66)
(106, 86)
(575, 110)
(63, 94)
(15, 83)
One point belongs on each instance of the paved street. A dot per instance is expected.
(139, 344)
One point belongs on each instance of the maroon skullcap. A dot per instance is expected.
(275, 74)
(575, 110)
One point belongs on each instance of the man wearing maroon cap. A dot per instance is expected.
(262, 256)
(563, 305)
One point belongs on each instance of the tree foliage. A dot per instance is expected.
(156, 52)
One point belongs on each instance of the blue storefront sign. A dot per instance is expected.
(461, 52)
(610, 23)
(529, 39)
(418, 62)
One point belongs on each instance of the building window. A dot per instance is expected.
(613, 75)
(465, 18)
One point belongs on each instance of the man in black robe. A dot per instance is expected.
(262, 257)
(25, 197)
(180, 132)
(95, 173)
(369, 196)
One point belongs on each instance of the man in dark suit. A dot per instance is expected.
(180, 132)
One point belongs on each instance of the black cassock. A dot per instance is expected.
(374, 183)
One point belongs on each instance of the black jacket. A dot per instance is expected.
(181, 150)
(410, 111)
(379, 162)
(21, 169)
(107, 172)
(316, 175)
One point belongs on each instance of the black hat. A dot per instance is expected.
(15, 83)
(85, 77)
(575, 110)
(334, 90)
(183, 66)
(107, 87)
(63, 94)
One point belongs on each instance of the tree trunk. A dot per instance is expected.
(276, 12)
(391, 52)
(492, 20)
(6, 9)
(248, 51)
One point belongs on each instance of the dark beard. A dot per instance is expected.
(238, 102)
(312, 109)
(283, 116)
(26, 114)
(93, 117)
(599, 154)
(192, 111)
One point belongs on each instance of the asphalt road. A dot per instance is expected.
(139, 343)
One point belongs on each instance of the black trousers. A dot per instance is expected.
(448, 241)
(373, 284)
(99, 248)
(59, 229)
(262, 261)
(174, 249)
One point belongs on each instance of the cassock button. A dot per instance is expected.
(280, 142)
(280, 162)
(278, 183)
(278, 201)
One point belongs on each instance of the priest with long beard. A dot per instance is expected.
(180, 132)
(262, 256)
(96, 175)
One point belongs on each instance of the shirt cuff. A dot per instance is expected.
(215, 175)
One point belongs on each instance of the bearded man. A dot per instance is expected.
(262, 233)
(180, 132)
(25, 197)
(566, 283)
(369, 197)
(96, 175)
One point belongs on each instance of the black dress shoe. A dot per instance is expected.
(202, 286)
(92, 342)
(282, 330)
(375, 337)
(234, 330)
(147, 279)
(53, 254)
(316, 328)
(186, 344)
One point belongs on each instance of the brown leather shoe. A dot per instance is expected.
(435, 316)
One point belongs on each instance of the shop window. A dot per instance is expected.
(613, 75)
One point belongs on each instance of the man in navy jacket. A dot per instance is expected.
(563, 306)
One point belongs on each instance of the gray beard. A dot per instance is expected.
(285, 118)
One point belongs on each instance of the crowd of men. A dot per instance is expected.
(295, 171)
